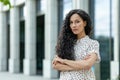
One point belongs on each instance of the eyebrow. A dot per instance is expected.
(76, 19)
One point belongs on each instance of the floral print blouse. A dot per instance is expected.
(82, 48)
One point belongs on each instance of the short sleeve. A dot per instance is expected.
(94, 47)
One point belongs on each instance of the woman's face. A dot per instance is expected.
(77, 25)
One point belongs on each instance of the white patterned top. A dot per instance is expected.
(82, 47)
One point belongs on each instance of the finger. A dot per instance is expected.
(60, 60)
(53, 61)
(87, 57)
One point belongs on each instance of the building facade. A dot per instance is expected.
(29, 31)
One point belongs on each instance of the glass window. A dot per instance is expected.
(8, 17)
(60, 14)
(40, 5)
(102, 24)
(67, 6)
(103, 33)
(64, 6)
(43, 3)
(102, 18)
(22, 11)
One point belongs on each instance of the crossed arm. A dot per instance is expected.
(68, 65)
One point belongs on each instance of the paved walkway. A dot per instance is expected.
(10, 76)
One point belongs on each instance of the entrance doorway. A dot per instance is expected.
(22, 44)
(40, 44)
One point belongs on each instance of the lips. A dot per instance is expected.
(74, 29)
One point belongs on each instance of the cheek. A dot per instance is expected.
(81, 28)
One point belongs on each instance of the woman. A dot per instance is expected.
(76, 52)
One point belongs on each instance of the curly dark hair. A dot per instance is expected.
(66, 39)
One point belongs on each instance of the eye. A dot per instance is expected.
(71, 22)
(77, 21)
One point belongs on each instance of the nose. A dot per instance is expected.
(74, 25)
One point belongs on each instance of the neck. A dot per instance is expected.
(81, 36)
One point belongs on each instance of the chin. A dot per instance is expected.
(75, 33)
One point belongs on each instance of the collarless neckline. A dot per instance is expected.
(83, 38)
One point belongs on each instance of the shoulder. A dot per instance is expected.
(93, 41)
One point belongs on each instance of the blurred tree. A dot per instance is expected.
(6, 2)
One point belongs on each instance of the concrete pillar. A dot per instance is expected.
(51, 25)
(3, 39)
(30, 38)
(115, 63)
(14, 62)
(81, 4)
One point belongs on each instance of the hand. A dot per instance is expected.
(87, 57)
(54, 60)
(60, 60)
(57, 60)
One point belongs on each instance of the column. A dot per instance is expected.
(3, 40)
(30, 38)
(115, 63)
(14, 62)
(81, 4)
(51, 25)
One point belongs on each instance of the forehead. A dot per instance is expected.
(75, 16)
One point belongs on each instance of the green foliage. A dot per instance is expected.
(6, 2)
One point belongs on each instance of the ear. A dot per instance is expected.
(85, 23)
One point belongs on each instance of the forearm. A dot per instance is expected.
(81, 64)
(62, 67)
(76, 65)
